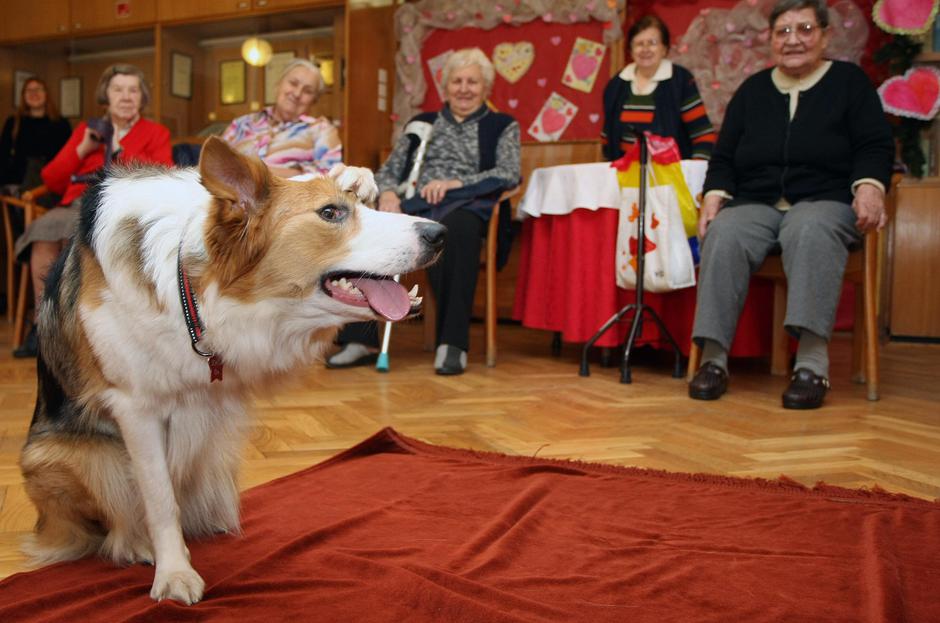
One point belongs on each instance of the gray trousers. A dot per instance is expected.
(814, 239)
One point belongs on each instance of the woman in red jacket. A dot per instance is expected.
(121, 135)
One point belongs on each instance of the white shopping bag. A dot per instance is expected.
(668, 261)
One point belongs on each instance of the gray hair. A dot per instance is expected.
(308, 65)
(818, 6)
(467, 57)
(122, 69)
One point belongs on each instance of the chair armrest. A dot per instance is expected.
(35, 193)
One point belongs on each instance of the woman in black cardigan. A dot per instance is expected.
(802, 164)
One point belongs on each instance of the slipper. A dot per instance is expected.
(336, 361)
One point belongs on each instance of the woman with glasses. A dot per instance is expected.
(801, 165)
(31, 137)
(652, 93)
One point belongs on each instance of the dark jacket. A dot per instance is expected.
(838, 135)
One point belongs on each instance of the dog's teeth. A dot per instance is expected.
(343, 281)
(414, 291)
(418, 300)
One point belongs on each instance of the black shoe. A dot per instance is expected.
(29, 347)
(806, 390)
(452, 363)
(709, 383)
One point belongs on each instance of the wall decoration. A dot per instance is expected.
(723, 47)
(583, 64)
(427, 28)
(512, 60)
(916, 94)
(553, 119)
(232, 82)
(19, 79)
(70, 97)
(273, 71)
(905, 17)
(436, 67)
(181, 75)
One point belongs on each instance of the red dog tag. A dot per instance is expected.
(215, 368)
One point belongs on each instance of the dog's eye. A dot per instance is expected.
(333, 213)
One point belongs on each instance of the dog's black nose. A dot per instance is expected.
(431, 234)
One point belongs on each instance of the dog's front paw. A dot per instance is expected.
(356, 179)
(182, 585)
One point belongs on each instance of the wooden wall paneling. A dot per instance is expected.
(48, 67)
(290, 4)
(184, 117)
(34, 19)
(90, 70)
(108, 15)
(338, 106)
(372, 48)
(915, 287)
(181, 10)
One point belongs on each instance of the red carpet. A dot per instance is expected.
(400, 531)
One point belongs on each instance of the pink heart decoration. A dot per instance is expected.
(904, 17)
(593, 117)
(573, 17)
(507, 18)
(552, 120)
(590, 6)
(541, 82)
(583, 66)
(410, 59)
(547, 17)
(556, 40)
(513, 103)
(915, 94)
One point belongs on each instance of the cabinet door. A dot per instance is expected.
(98, 15)
(915, 284)
(173, 10)
(33, 19)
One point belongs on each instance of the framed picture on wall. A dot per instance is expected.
(70, 97)
(181, 71)
(232, 82)
(273, 71)
(19, 79)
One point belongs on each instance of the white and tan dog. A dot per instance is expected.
(135, 441)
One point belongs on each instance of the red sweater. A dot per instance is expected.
(146, 142)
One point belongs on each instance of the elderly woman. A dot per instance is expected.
(288, 140)
(653, 94)
(121, 135)
(471, 156)
(31, 137)
(802, 163)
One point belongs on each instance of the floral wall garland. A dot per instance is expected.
(414, 23)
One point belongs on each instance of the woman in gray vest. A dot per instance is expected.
(451, 168)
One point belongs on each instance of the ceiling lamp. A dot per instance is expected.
(256, 51)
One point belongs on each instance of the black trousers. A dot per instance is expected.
(453, 282)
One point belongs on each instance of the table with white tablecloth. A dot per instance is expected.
(567, 279)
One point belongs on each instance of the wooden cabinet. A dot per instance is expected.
(915, 260)
(101, 15)
(174, 10)
(33, 19)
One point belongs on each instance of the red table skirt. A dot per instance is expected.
(567, 284)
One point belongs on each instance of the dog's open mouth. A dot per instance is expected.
(386, 297)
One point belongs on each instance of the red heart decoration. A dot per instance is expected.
(583, 65)
(904, 17)
(552, 120)
(915, 94)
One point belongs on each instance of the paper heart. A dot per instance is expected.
(915, 94)
(555, 40)
(512, 60)
(513, 103)
(905, 17)
(541, 82)
(590, 6)
(552, 120)
(547, 17)
(507, 18)
(593, 117)
(583, 66)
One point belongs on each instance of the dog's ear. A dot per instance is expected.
(232, 177)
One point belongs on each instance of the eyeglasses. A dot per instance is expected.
(803, 31)
(645, 44)
(34, 90)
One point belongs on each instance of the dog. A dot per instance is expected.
(185, 293)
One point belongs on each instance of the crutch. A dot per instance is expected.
(381, 364)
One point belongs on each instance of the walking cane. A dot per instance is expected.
(381, 364)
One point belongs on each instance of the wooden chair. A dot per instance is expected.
(488, 264)
(17, 293)
(861, 269)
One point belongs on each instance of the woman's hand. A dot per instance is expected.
(434, 191)
(708, 212)
(389, 202)
(90, 142)
(869, 206)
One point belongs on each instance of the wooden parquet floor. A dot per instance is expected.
(535, 404)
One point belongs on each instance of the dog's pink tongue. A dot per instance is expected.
(387, 298)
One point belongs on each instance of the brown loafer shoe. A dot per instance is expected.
(709, 383)
(806, 390)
